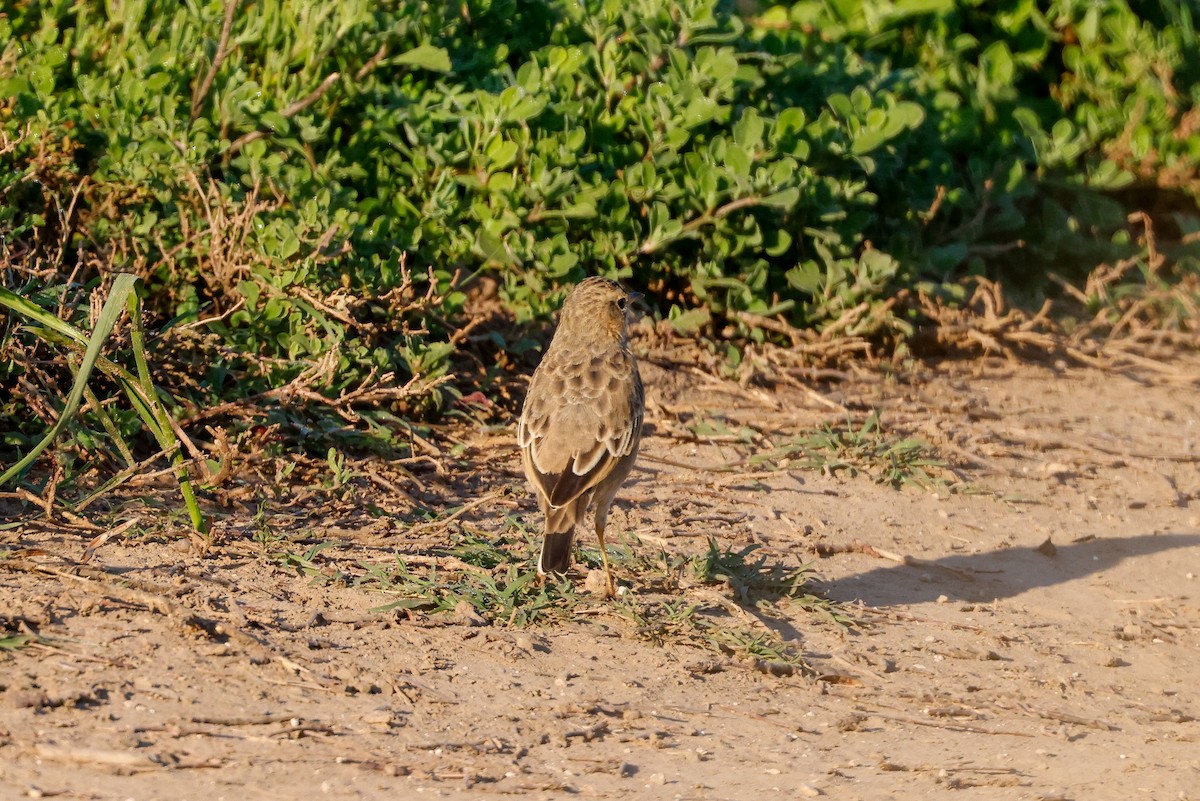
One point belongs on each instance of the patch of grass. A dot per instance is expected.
(743, 642)
(305, 563)
(863, 449)
(492, 578)
(340, 474)
(685, 622)
(715, 428)
(78, 345)
(15, 631)
(705, 601)
(757, 585)
(759, 579)
(744, 575)
(265, 535)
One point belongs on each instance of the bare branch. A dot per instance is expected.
(202, 88)
(373, 62)
(291, 110)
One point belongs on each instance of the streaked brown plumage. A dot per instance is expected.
(582, 420)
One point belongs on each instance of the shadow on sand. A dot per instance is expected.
(1005, 573)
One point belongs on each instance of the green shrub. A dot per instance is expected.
(1048, 123)
(318, 183)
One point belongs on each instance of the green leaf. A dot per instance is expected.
(996, 67)
(275, 122)
(807, 277)
(429, 57)
(738, 160)
(776, 242)
(491, 247)
(11, 642)
(690, 321)
(905, 114)
(945, 258)
(868, 140)
(785, 199)
(748, 131)
(699, 111)
(841, 106)
(501, 153)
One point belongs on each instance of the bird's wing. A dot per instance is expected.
(573, 437)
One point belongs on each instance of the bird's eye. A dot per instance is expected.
(622, 303)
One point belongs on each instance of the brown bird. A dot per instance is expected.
(582, 420)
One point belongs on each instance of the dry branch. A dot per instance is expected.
(289, 111)
(202, 88)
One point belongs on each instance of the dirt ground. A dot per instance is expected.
(1027, 629)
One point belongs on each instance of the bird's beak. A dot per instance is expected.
(635, 305)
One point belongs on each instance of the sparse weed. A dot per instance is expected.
(865, 449)
(686, 622)
(13, 642)
(305, 563)
(661, 622)
(746, 576)
(493, 578)
(715, 428)
(267, 537)
(341, 475)
(486, 574)
(14, 632)
(744, 642)
(758, 579)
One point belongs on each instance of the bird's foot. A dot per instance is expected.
(602, 584)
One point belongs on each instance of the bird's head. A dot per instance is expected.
(598, 307)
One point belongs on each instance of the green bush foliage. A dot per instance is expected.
(318, 182)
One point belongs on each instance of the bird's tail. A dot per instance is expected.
(560, 533)
(556, 552)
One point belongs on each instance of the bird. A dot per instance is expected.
(581, 421)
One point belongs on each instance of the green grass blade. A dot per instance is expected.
(110, 427)
(109, 315)
(160, 423)
(125, 379)
(140, 390)
(27, 308)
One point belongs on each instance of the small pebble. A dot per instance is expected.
(1131, 631)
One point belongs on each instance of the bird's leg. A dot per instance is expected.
(612, 585)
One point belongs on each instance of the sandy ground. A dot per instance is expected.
(1028, 629)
